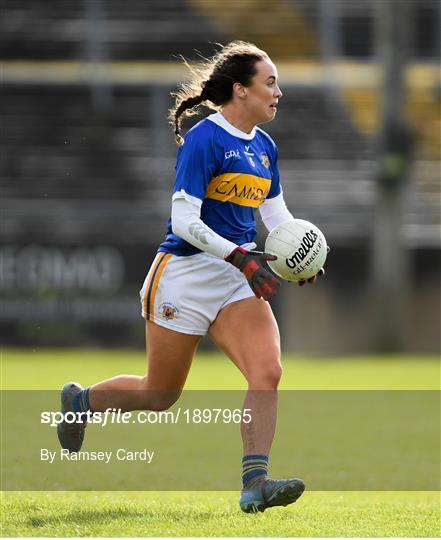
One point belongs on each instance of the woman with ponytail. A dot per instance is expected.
(206, 277)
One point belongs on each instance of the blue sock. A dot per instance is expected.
(80, 401)
(253, 466)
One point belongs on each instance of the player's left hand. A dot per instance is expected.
(252, 265)
(312, 279)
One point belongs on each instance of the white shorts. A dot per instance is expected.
(185, 294)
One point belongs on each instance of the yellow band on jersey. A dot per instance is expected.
(243, 189)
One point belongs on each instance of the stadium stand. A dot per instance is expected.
(157, 30)
(63, 160)
(88, 158)
(133, 29)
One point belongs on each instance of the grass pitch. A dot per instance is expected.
(318, 514)
(50, 369)
(132, 514)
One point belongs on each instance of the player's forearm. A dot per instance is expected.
(274, 211)
(187, 224)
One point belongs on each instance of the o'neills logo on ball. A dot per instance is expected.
(305, 247)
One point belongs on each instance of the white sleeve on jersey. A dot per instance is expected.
(187, 223)
(274, 211)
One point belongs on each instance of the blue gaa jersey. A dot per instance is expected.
(231, 173)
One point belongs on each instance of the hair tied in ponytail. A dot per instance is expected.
(179, 139)
(212, 81)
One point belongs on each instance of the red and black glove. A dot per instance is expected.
(252, 265)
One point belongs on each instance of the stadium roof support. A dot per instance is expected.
(390, 270)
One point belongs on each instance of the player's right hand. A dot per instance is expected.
(312, 279)
(252, 265)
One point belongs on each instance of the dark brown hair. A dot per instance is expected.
(212, 82)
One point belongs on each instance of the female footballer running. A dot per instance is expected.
(206, 276)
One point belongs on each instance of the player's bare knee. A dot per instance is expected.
(272, 375)
(268, 377)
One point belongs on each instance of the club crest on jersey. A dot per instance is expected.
(265, 160)
(168, 311)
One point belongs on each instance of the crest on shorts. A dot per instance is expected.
(168, 311)
(265, 160)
